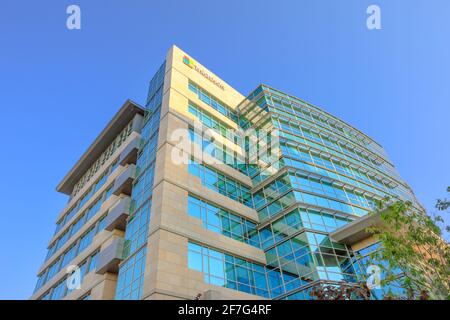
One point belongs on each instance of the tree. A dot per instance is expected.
(443, 204)
(414, 251)
(341, 291)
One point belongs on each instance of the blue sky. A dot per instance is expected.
(58, 88)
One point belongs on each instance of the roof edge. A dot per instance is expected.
(106, 136)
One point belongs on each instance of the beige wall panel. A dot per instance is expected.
(364, 243)
(228, 95)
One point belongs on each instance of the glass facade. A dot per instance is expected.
(214, 180)
(60, 290)
(79, 246)
(223, 221)
(229, 271)
(362, 259)
(330, 174)
(131, 277)
(131, 273)
(213, 102)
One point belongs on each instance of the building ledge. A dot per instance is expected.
(110, 258)
(117, 215)
(129, 154)
(124, 183)
(355, 231)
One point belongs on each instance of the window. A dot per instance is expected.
(130, 280)
(86, 240)
(223, 222)
(101, 182)
(213, 123)
(93, 262)
(40, 281)
(101, 224)
(218, 182)
(53, 269)
(93, 209)
(69, 255)
(213, 102)
(84, 218)
(228, 271)
(59, 292)
(63, 239)
(137, 228)
(78, 224)
(219, 152)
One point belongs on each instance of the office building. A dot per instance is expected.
(141, 224)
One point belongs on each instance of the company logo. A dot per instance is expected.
(191, 64)
(188, 61)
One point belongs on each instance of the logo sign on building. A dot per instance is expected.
(191, 64)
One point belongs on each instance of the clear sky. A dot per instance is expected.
(58, 88)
